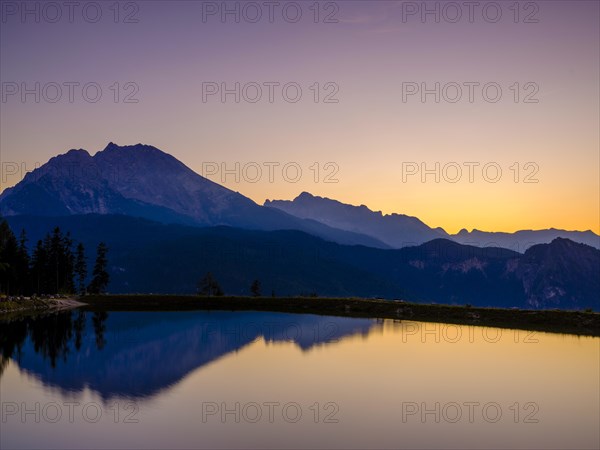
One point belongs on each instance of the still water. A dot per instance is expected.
(269, 380)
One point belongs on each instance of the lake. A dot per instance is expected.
(273, 380)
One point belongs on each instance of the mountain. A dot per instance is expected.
(143, 181)
(521, 240)
(560, 274)
(398, 230)
(147, 256)
(166, 226)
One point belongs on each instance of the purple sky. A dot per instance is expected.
(371, 137)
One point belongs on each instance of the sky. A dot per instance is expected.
(334, 98)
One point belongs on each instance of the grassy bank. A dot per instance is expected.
(572, 322)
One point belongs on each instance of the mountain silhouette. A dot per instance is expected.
(559, 274)
(396, 230)
(167, 226)
(147, 256)
(143, 181)
(399, 230)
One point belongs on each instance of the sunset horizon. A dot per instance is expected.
(347, 224)
(240, 177)
(367, 86)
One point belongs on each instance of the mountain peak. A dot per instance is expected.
(562, 249)
(565, 243)
(65, 160)
(111, 147)
(73, 156)
(145, 157)
(305, 196)
(77, 152)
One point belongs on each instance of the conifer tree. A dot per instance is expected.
(80, 268)
(100, 277)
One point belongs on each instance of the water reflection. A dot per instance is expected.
(137, 355)
(212, 380)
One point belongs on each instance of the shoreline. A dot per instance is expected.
(556, 321)
(33, 306)
(552, 321)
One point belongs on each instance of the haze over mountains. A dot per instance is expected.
(399, 230)
(166, 226)
(396, 230)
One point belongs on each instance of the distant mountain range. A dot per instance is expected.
(166, 226)
(395, 230)
(399, 230)
(143, 181)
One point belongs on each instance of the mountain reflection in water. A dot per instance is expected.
(136, 355)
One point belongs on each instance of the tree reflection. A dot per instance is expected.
(79, 326)
(12, 337)
(99, 321)
(53, 336)
(3, 364)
